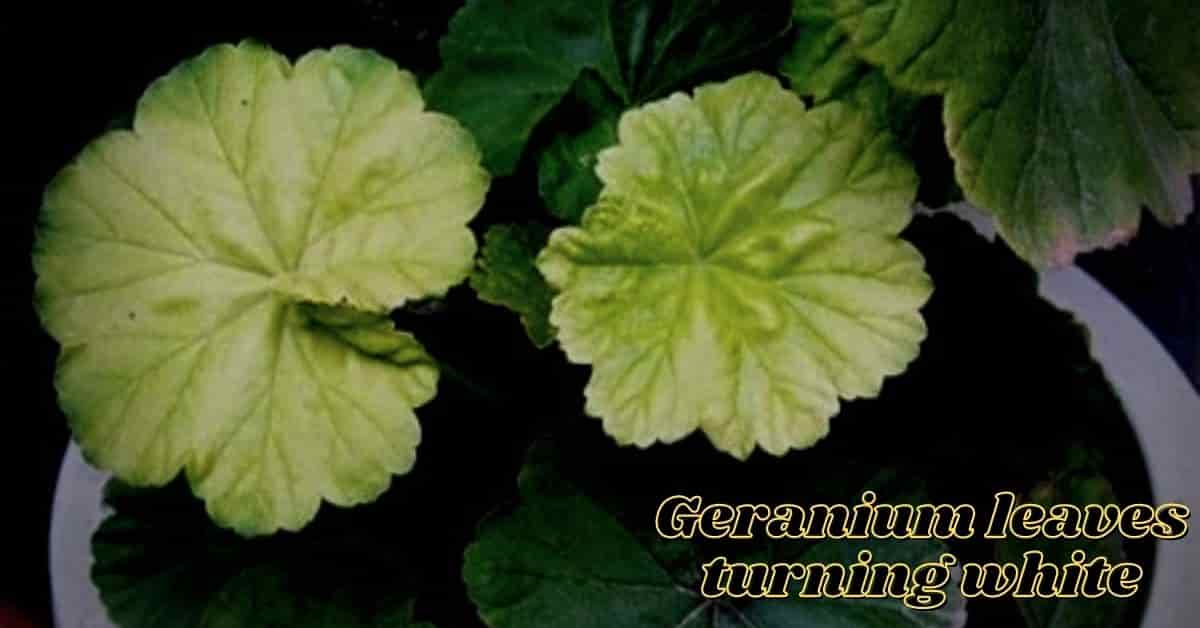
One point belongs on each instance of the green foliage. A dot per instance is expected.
(567, 177)
(506, 65)
(1065, 119)
(160, 563)
(561, 559)
(506, 276)
(238, 283)
(1078, 487)
(822, 65)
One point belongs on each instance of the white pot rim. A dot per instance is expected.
(1164, 409)
(1161, 404)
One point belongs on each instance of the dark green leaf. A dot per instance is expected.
(823, 65)
(850, 613)
(160, 563)
(1078, 488)
(269, 597)
(665, 45)
(506, 64)
(560, 559)
(567, 177)
(1065, 119)
(506, 275)
(566, 172)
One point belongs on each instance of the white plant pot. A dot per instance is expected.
(1160, 402)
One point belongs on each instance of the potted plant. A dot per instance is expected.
(365, 346)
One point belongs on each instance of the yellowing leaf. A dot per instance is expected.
(181, 265)
(741, 271)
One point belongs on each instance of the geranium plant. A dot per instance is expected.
(697, 220)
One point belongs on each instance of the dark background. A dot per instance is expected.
(69, 72)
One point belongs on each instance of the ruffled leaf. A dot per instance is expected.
(506, 276)
(560, 559)
(160, 563)
(567, 177)
(179, 264)
(741, 271)
(1064, 118)
(507, 64)
(1078, 487)
(823, 65)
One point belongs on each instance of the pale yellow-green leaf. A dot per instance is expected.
(741, 271)
(219, 278)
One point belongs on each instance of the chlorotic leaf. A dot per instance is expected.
(560, 559)
(1078, 488)
(160, 563)
(507, 64)
(1064, 118)
(741, 270)
(506, 275)
(193, 268)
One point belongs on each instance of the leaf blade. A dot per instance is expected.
(712, 257)
(1062, 153)
(174, 260)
